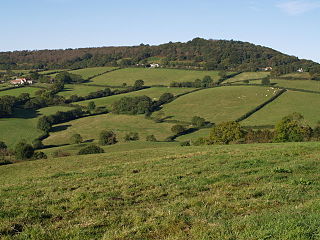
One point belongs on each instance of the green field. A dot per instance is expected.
(90, 128)
(300, 84)
(89, 72)
(247, 76)
(78, 89)
(286, 104)
(22, 125)
(154, 93)
(17, 91)
(243, 192)
(51, 71)
(218, 104)
(151, 76)
(304, 75)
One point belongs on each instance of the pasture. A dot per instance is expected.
(90, 127)
(17, 91)
(247, 76)
(218, 104)
(78, 89)
(286, 104)
(151, 76)
(154, 93)
(89, 72)
(262, 191)
(300, 84)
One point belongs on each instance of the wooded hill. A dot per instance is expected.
(198, 53)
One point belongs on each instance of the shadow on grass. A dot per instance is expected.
(24, 113)
(60, 128)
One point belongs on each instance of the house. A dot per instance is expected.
(267, 69)
(154, 65)
(300, 70)
(21, 81)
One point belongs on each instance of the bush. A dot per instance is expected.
(185, 144)
(91, 149)
(91, 106)
(131, 136)
(178, 129)
(225, 132)
(3, 145)
(259, 136)
(132, 105)
(44, 124)
(198, 122)
(23, 151)
(151, 138)
(76, 138)
(107, 138)
(39, 155)
(37, 144)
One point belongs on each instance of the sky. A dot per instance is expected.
(290, 26)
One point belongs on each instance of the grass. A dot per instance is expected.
(90, 128)
(218, 104)
(248, 76)
(300, 84)
(304, 75)
(151, 76)
(286, 104)
(195, 135)
(22, 125)
(78, 89)
(89, 72)
(243, 192)
(51, 71)
(154, 93)
(17, 91)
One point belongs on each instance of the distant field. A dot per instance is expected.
(287, 103)
(218, 104)
(248, 76)
(236, 192)
(78, 89)
(304, 75)
(51, 71)
(301, 84)
(17, 91)
(89, 72)
(153, 93)
(194, 136)
(151, 76)
(90, 127)
(22, 125)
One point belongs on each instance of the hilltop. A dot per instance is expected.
(197, 53)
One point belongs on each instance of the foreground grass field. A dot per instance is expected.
(151, 76)
(90, 128)
(23, 124)
(245, 192)
(218, 104)
(286, 104)
(154, 93)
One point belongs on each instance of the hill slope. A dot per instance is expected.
(266, 191)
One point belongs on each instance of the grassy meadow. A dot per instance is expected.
(286, 104)
(299, 84)
(17, 91)
(151, 76)
(154, 93)
(23, 124)
(247, 76)
(218, 104)
(78, 89)
(243, 192)
(90, 127)
(90, 72)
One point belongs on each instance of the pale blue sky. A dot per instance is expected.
(290, 26)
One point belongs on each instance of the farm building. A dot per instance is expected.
(21, 81)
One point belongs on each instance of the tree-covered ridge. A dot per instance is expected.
(197, 53)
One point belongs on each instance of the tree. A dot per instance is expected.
(23, 151)
(198, 122)
(39, 155)
(37, 144)
(107, 138)
(91, 149)
(165, 98)
(206, 81)
(131, 136)
(151, 138)
(138, 84)
(225, 132)
(178, 129)
(91, 106)
(292, 129)
(44, 124)
(3, 145)
(76, 139)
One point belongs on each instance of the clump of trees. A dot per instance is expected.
(76, 139)
(178, 129)
(198, 122)
(131, 136)
(206, 82)
(91, 149)
(107, 138)
(67, 77)
(225, 133)
(132, 105)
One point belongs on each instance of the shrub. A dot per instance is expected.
(178, 129)
(165, 98)
(225, 132)
(107, 138)
(76, 138)
(151, 138)
(23, 151)
(39, 155)
(3, 145)
(185, 144)
(44, 124)
(198, 122)
(91, 106)
(37, 144)
(131, 136)
(91, 149)
(259, 136)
